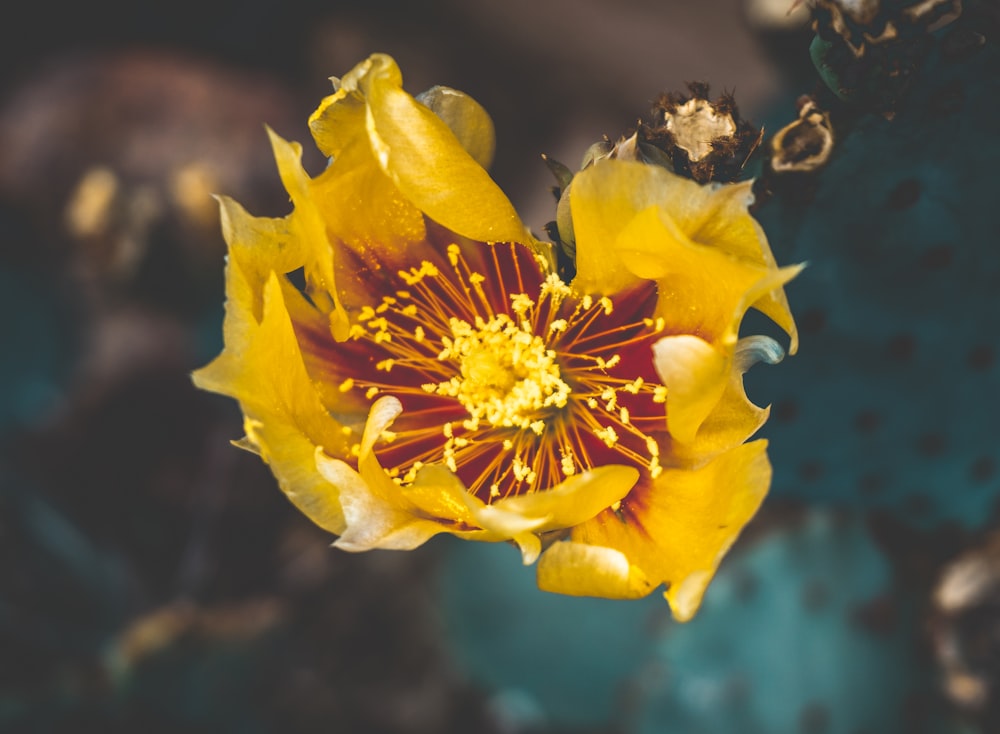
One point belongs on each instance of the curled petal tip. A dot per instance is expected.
(753, 349)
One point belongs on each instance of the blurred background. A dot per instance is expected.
(153, 578)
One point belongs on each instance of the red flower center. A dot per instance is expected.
(508, 376)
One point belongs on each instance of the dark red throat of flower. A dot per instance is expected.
(506, 375)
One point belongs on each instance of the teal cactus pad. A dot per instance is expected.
(894, 399)
(801, 631)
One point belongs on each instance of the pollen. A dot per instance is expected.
(608, 435)
(566, 464)
(506, 376)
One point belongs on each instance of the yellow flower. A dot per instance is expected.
(430, 372)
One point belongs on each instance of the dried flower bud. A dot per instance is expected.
(704, 140)
(868, 51)
(965, 630)
(804, 145)
(863, 23)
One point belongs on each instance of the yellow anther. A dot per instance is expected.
(607, 305)
(411, 473)
(635, 386)
(418, 334)
(623, 415)
(558, 326)
(567, 464)
(610, 398)
(367, 313)
(507, 375)
(385, 365)
(371, 392)
(538, 427)
(608, 435)
(521, 304)
(410, 310)
(655, 469)
(415, 275)
(346, 384)
(660, 394)
(453, 252)
(523, 472)
(554, 288)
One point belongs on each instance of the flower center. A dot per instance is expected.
(507, 374)
(513, 381)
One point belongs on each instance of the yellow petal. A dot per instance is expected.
(718, 216)
(339, 121)
(634, 221)
(603, 201)
(258, 246)
(708, 411)
(466, 118)
(366, 211)
(377, 512)
(732, 421)
(702, 290)
(421, 155)
(308, 228)
(695, 374)
(372, 521)
(577, 498)
(383, 514)
(579, 569)
(262, 367)
(677, 530)
(440, 493)
(437, 492)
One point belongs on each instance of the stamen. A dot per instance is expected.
(508, 377)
